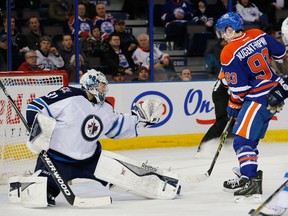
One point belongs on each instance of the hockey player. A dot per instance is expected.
(245, 63)
(275, 102)
(220, 97)
(82, 117)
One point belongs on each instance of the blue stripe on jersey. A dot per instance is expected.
(33, 108)
(36, 105)
(42, 102)
(113, 126)
(120, 128)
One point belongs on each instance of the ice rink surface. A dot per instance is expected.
(206, 198)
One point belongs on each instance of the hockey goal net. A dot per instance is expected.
(23, 87)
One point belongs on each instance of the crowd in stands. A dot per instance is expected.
(122, 56)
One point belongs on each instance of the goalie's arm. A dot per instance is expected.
(33, 108)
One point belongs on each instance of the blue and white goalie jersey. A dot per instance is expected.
(80, 122)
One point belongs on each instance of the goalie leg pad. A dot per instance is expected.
(34, 192)
(14, 189)
(136, 177)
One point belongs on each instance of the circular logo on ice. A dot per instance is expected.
(167, 105)
(92, 127)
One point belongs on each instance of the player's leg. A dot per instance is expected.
(220, 100)
(251, 125)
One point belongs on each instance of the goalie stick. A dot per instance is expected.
(205, 176)
(255, 212)
(62, 185)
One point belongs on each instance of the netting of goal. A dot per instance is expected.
(23, 87)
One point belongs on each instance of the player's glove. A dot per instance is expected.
(233, 109)
(277, 95)
(148, 112)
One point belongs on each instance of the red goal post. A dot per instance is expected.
(23, 87)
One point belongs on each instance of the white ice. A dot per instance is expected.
(204, 199)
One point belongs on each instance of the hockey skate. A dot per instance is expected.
(270, 210)
(231, 185)
(253, 187)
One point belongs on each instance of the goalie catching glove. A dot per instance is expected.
(277, 95)
(148, 112)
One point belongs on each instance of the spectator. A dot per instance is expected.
(119, 76)
(19, 45)
(48, 56)
(103, 21)
(163, 68)
(270, 7)
(33, 37)
(136, 9)
(94, 45)
(203, 15)
(31, 62)
(31, 4)
(59, 12)
(251, 14)
(186, 74)
(84, 22)
(72, 68)
(220, 8)
(67, 50)
(114, 57)
(212, 56)
(175, 15)
(128, 40)
(90, 8)
(142, 75)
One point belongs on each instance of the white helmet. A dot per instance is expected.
(91, 80)
(284, 31)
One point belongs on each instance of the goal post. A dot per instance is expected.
(23, 87)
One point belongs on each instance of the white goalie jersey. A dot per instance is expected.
(70, 139)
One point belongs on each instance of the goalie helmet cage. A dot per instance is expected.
(23, 87)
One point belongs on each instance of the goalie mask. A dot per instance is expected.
(96, 83)
(284, 31)
(232, 19)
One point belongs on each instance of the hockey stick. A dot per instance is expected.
(255, 212)
(205, 176)
(62, 185)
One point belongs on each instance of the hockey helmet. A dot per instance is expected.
(232, 19)
(91, 81)
(284, 31)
